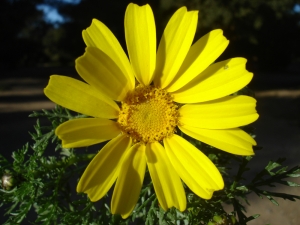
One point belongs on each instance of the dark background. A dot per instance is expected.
(267, 33)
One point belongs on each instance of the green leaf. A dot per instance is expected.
(289, 183)
(253, 217)
(242, 188)
(272, 200)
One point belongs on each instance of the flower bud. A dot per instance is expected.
(218, 219)
(225, 219)
(233, 219)
(211, 223)
(8, 181)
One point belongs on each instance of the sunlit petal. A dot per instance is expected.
(103, 170)
(80, 97)
(223, 113)
(129, 182)
(203, 53)
(218, 80)
(166, 182)
(102, 73)
(174, 45)
(193, 167)
(87, 131)
(235, 141)
(140, 36)
(99, 36)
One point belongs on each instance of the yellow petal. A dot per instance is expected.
(166, 182)
(222, 113)
(80, 97)
(193, 167)
(235, 141)
(140, 36)
(203, 53)
(218, 80)
(103, 170)
(174, 45)
(129, 183)
(99, 36)
(86, 131)
(102, 73)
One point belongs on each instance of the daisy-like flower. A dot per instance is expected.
(138, 103)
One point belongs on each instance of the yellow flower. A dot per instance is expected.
(137, 105)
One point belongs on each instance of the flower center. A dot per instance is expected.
(148, 114)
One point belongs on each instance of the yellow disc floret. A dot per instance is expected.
(148, 114)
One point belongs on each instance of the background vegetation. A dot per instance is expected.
(267, 33)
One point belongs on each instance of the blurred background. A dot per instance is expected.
(43, 37)
(47, 33)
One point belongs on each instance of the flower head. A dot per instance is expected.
(138, 103)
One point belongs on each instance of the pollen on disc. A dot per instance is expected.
(148, 114)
